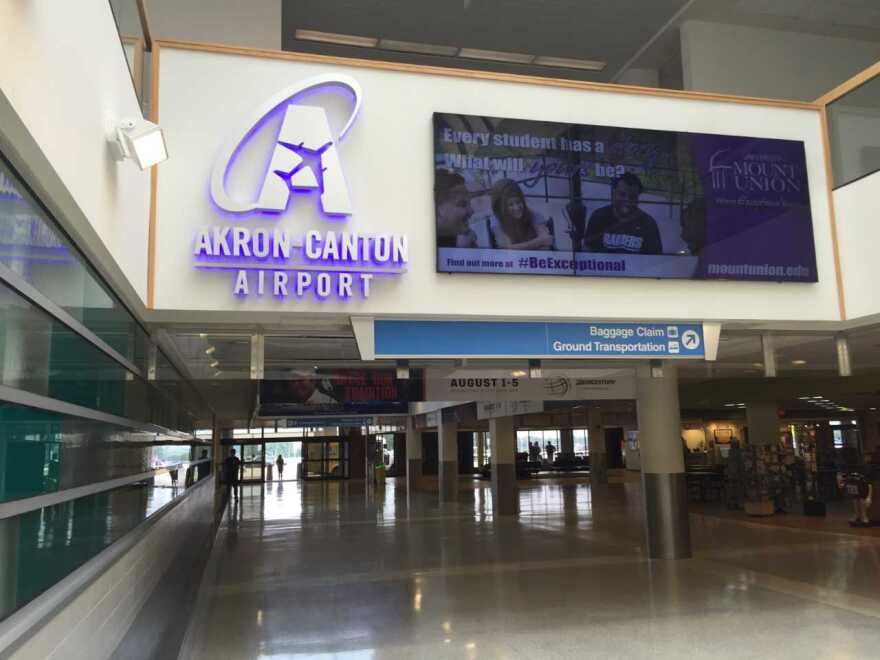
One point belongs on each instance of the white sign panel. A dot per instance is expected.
(493, 409)
(560, 386)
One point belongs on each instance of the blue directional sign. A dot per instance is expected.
(403, 339)
(321, 422)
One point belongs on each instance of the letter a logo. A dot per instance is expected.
(304, 158)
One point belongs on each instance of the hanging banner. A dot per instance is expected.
(586, 385)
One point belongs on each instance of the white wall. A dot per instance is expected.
(388, 162)
(749, 61)
(64, 86)
(255, 23)
(858, 235)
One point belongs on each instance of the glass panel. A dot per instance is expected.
(41, 547)
(854, 133)
(40, 355)
(32, 246)
(42, 452)
(252, 462)
(801, 355)
(131, 34)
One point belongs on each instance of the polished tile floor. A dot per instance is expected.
(327, 570)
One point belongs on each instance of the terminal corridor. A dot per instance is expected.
(321, 570)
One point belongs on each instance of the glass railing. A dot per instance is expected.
(42, 546)
(854, 132)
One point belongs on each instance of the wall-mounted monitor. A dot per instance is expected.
(548, 198)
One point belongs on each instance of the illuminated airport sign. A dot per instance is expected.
(289, 258)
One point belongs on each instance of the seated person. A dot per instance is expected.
(622, 227)
(452, 203)
(514, 225)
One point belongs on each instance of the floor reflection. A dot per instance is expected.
(339, 569)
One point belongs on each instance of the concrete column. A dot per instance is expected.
(413, 456)
(763, 423)
(566, 441)
(504, 493)
(663, 478)
(447, 461)
(870, 432)
(596, 444)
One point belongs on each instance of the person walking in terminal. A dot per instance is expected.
(622, 227)
(550, 451)
(514, 225)
(279, 463)
(231, 469)
(453, 210)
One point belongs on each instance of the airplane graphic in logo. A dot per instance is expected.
(305, 156)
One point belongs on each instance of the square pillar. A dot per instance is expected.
(413, 456)
(596, 444)
(763, 422)
(566, 441)
(447, 461)
(504, 492)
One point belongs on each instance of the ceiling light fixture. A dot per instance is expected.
(569, 63)
(214, 363)
(210, 350)
(415, 47)
(140, 140)
(798, 362)
(335, 38)
(495, 56)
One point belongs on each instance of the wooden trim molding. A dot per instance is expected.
(154, 181)
(845, 88)
(481, 75)
(838, 272)
(145, 24)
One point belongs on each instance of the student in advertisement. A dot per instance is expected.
(514, 225)
(453, 209)
(622, 227)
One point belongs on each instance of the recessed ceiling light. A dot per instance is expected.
(203, 335)
(210, 350)
(415, 47)
(496, 56)
(519, 373)
(334, 38)
(214, 363)
(798, 362)
(569, 63)
(757, 364)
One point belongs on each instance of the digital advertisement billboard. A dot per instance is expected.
(548, 198)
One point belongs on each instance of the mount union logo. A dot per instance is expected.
(304, 157)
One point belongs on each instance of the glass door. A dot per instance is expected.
(325, 459)
(253, 462)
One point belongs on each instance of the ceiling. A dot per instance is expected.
(608, 30)
(218, 358)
